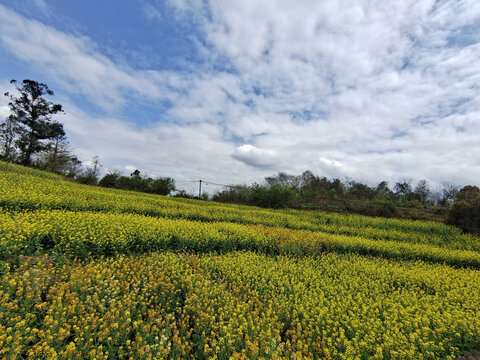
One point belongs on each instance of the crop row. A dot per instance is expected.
(29, 192)
(239, 306)
(88, 233)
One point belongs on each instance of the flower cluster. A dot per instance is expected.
(85, 234)
(31, 190)
(241, 305)
(87, 272)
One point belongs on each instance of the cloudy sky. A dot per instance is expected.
(232, 91)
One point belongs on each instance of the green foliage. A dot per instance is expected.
(276, 196)
(465, 212)
(162, 186)
(379, 207)
(320, 193)
(110, 180)
(86, 179)
(236, 195)
(91, 272)
(31, 115)
(136, 182)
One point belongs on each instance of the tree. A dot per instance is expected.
(164, 186)
(110, 180)
(383, 191)
(56, 157)
(465, 212)
(422, 191)
(285, 180)
(8, 135)
(32, 113)
(403, 189)
(359, 191)
(90, 175)
(275, 196)
(448, 193)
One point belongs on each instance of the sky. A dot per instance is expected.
(233, 91)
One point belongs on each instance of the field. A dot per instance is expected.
(88, 272)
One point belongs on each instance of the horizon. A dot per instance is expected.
(234, 92)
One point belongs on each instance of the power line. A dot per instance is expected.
(208, 183)
(230, 186)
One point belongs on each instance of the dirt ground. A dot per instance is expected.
(472, 356)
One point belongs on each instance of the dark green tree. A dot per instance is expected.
(163, 186)
(32, 113)
(403, 189)
(110, 180)
(383, 191)
(465, 212)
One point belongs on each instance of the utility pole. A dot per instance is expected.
(200, 189)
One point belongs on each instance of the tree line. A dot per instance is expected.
(31, 137)
(285, 190)
(460, 207)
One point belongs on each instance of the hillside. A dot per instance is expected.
(94, 272)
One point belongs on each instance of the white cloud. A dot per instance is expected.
(76, 64)
(369, 90)
(130, 167)
(4, 112)
(254, 156)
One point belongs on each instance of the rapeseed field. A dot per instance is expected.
(92, 273)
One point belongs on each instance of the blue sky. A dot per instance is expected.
(234, 91)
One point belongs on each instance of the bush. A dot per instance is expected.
(110, 180)
(465, 212)
(162, 186)
(379, 207)
(236, 195)
(87, 179)
(276, 196)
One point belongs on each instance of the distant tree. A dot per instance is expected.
(56, 157)
(448, 192)
(275, 196)
(285, 180)
(8, 134)
(110, 180)
(383, 191)
(422, 191)
(90, 175)
(465, 212)
(163, 186)
(234, 194)
(95, 168)
(403, 189)
(315, 187)
(136, 173)
(136, 182)
(32, 114)
(360, 191)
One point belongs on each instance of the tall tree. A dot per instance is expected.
(33, 115)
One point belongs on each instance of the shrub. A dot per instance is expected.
(110, 180)
(465, 213)
(276, 196)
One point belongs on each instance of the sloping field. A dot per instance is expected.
(99, 273)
